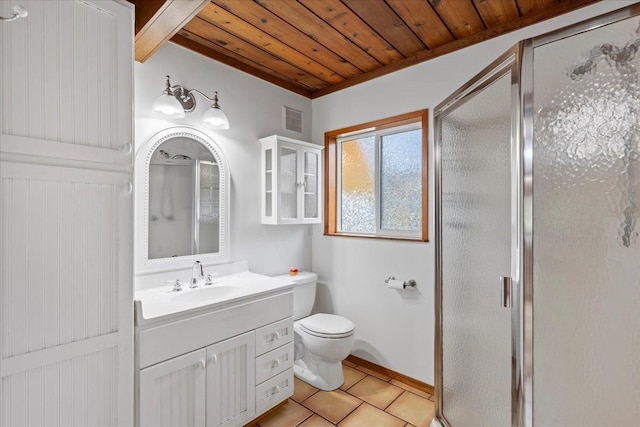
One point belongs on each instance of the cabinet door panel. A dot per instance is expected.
(47, 113)
(231, 381)
(172, 393)
(288, 184)
(310, 202)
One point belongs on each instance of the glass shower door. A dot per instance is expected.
(586, 252)
(475, 193)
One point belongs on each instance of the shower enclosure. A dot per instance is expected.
(538, 260)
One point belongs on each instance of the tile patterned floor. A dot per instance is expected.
(366, 399)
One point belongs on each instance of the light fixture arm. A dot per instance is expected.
(186, 98)
(18, 12)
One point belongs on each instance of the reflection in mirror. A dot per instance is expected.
(184, 199)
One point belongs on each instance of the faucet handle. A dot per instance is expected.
(209, 279)
(177, 286)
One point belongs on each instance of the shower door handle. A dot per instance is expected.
(505, 291)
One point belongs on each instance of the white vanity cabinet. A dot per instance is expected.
(291, 181)
(214, 367)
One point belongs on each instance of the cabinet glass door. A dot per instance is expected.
(288, 183)
(310, 185)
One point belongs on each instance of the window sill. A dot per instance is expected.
(374, 237)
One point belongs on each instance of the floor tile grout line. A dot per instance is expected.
(396, 398)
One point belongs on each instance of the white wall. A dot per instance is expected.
(254, 108)
(396, 328)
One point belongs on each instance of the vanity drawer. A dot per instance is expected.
(274, 390)
(274, 362)
(274, 335)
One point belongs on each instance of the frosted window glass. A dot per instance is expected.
(586, 251)
(288, 183)
(357, 191)
(476, 244)
(401, 181)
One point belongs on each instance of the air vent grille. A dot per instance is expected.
(292, 120)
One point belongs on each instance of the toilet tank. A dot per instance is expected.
(304, 292)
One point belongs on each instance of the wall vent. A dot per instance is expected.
(292, 119)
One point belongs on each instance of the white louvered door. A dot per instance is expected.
(231, 381)
(66, 215)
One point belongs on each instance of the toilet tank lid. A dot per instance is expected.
(301, 278)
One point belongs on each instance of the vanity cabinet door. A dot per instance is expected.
(231, 381)
(172, 393)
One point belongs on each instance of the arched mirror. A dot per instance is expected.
(182, 184)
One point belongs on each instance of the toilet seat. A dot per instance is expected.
(324, 325)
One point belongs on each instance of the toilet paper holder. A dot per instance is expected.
(406, 284)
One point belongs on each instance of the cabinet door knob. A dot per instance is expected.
(202, 363)
(213, 359)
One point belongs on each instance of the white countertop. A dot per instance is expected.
(161, 302)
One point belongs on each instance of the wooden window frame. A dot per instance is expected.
(331, 172)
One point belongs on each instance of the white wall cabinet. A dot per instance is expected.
(201, 369)
(291, 181)
(66, 205)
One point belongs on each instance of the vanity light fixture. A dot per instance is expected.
(18, 12)
(176, 100)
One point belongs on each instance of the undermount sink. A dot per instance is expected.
(204, 295)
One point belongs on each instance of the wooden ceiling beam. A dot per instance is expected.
(159, 20)
(524, 21)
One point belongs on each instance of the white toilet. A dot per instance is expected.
(322, 341)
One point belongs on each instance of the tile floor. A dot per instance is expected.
(366, 399)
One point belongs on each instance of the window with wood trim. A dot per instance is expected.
(376, 179)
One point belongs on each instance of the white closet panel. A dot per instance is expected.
(60, 269)
(74, 392)
(66, 76)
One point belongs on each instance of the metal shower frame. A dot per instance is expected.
(519, 61)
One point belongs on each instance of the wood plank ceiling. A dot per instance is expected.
(315, 47)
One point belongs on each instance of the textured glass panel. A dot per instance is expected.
(310, 206)
(288, 183)
(268, 183)
(310, 185)
(357, 192)
(476, 243)
(586, 251)
(401, 181)
(209, 208)
(311, 163)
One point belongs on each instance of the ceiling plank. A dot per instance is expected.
(232, 43)
(343, 19)
(535, 17)
(421, 18)
(317, 29)
(219, 17)
(460, 16)
(166, 21)
(277, 28)
(387, 24)
(496, 12)
(211, 50)
(528, 6)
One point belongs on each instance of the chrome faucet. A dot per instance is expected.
(195, 276)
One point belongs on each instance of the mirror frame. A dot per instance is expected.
(144, 265)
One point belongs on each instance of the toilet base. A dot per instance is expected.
(320, 374)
